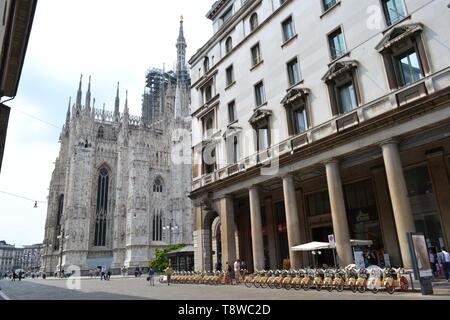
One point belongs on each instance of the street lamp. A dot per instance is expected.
(61, 237)
(171, 228)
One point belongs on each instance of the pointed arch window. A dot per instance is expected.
(157, 226)
(158, 186)
(102, 208)
(58, 219)
(101, 132)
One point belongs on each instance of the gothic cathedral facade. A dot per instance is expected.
(120, 185)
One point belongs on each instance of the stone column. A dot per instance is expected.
(256, 226)
(404, 220)
(271, 234)
(292, 221)
(304, 256)
(339, 214)
(228, 236)
(197, 235)
(386, 215)
(441, 189)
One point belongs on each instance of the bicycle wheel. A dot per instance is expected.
(390, 289)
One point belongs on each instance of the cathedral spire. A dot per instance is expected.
(79, 93)
(117, 105)
(68, 112)
(181, 54)
(88, 95)
(126, 102)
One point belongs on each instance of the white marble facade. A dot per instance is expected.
(119, 181)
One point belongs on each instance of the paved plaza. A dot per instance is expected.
(138, 289)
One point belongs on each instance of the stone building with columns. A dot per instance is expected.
(312, 118)
(118, 192)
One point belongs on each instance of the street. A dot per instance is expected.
(138, 289)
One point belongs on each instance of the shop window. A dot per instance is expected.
(424, 207)
(281, 231)
(318, 204)
(362, 213)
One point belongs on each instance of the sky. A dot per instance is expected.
(110, 40)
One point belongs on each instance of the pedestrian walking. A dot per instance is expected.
(123, 271)
(151, 276)
(445, 258)
(237, 270)
(103, 273)
(218, 265)
(243, 269)
(108, 273)
(169, 272)
(433, 262)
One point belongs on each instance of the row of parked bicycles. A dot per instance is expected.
(372, 279)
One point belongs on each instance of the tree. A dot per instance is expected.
(161, 262)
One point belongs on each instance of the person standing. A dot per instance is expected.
(151, 276)
(445, 258)
(108, 273)
(228, 271)
(237, 271)
(169, 272)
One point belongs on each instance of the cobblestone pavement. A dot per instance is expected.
(138, 288)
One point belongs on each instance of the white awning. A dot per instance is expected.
(312, 246)
(325, 245)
